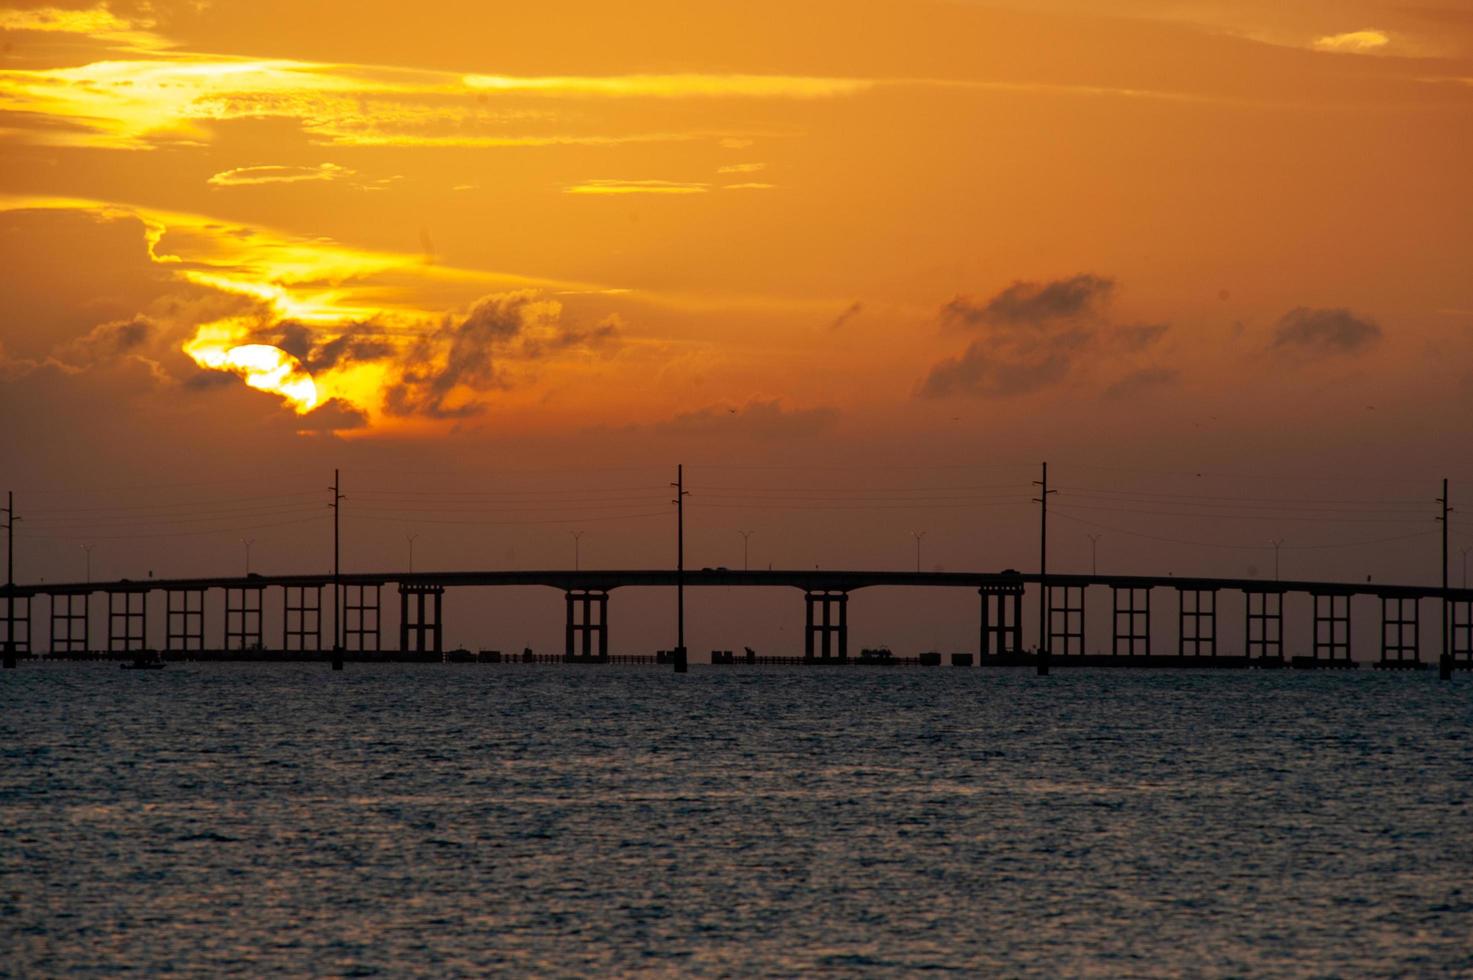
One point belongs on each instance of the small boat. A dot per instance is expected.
(145, 662)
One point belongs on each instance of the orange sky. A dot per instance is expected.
(1150, 232)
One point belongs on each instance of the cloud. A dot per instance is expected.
(1353, 42)
(1142, 380)
(750, 185)
(333, 415)
(610, 186)
(277, 174)
(1324, 331)
(850, 312)
(758, 418)
(741, 168)
(673, 86)
(1033, 336)
(1033, 302)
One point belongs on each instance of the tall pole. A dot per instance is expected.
(410, 538)
(1465, 565)
(337, 572)
(1277, 543)
(1094, 565)
(10, 520)
(918, 535)
(248, 542)
(87, 549)
(679, 485)
(1445, 662)
(1043, 610)
(746, 536)
(577, 549)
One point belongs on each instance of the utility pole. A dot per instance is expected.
(87, 548)
(410, 538)
(10, 519)
(918, 535)
(1094, 565)
(1445, 662)
(746, 536)
(1277, 543)
(680, 492)
(1043, 610)
(248, 542)
(577, 548)
(337, 572)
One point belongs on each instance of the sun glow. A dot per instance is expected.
(260, 366)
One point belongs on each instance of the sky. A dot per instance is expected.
(861, 266)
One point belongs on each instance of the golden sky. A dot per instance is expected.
(1136, 229)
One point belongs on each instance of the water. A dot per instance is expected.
(452, 820)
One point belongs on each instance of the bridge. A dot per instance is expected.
(357, 614)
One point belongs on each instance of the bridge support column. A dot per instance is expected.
(586, 635)
(184, 620)
(1132, 621)
(1196, 622)
(127, 621)
(69, 622)
(362, 617)
(1002, 622)
(243, 618)
(17, 626)
(301, 617)
(1265, 635)
(1066, 620)
(1331, 627)
(419, 618)
(830, 630)
(1460, 644)
(1400, 633)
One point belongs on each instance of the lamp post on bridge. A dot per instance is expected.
(918, 535)
(247, 542)
(410, 538)
(1465, 565)
(577, 548)
(1277, 543)
(87, 548)
(747, 535)
(1094, 540)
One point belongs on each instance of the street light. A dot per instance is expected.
(746, 535)
(1094, 540)
(1465, 565)
(1277, 543)
(918, 535)
(410, 538)
(577, 548)
(248, 542)
(88, 549)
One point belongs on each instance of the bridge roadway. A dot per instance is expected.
(814, 580)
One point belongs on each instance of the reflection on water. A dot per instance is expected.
(459, 819)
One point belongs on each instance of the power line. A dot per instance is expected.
(1242, 547)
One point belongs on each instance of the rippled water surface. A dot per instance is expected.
(441, 820)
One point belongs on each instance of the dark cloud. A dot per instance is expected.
(107, 341)
(1143, 380)
(1033, 302)
(1324, 331)
(356, 343)
(606, 337)
(457, 354)
(333, 415)
(850, 312)
(1033, 336)
(758, 418)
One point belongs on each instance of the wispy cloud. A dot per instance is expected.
(675, 86)
(748, 186)
(741, 168)
(1353, 42)
(278, 174)
(612, 186)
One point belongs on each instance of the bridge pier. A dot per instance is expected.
(1132, 605)
(243, 617)
(829, 630)
(1331, 628)
(1002, 622)
(184, 620)
(362, 618)
(1196, 623)
(127, 621)
(69, 622)
(1460, 645)
(301, 617)
(587, 621)
(1066, 620)
(1401, 629)
(1265, 619)
(17, 623)
(420, 617)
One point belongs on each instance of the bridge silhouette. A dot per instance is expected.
(356, 616)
